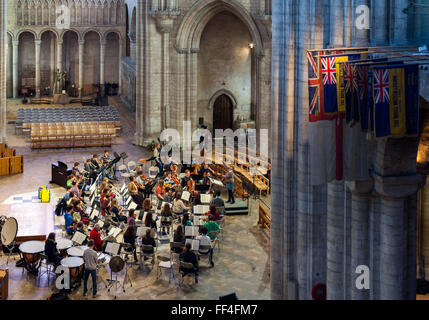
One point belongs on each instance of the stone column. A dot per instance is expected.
(38, 44)
(52, 63)
(360, 236)
(59, 61)
(3, 37)
(81, 63)
(102, 64)
(132, 47)
(120, 66)
(15, 67)
(336, 246)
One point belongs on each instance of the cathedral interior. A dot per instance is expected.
(310, 220)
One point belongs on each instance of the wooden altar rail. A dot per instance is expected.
(264, 217)
(10, 163)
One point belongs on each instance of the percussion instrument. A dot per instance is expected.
(8, 230)
(31, 254)
(75, 265)
(116, 264)
(76, 251)
(63, 245)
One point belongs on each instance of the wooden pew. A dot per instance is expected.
(264, 217)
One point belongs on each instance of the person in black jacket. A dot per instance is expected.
(130, 237)
(51, 250)
(189, 256)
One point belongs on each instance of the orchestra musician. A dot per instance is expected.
(138, 198)
(95, 163)
(105, 201)
(96, 237)
(168, 181)
(160, 190)
(188, 182)
(140, 187)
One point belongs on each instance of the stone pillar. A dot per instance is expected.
(3, 37)
(15, 67)
(102, 64)
(336, 246)
(120, 66)
(38, 44)
(132, 47)
(52, 63)
(360, 232)
(81, 63)
(59, 62)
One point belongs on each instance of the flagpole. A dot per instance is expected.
(362, 48)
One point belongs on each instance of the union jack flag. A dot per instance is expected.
(315, 86)
(381, 86)
(329, 70)
(350, 79)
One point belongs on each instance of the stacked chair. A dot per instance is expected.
(69, 127)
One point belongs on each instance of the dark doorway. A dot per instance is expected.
(222, 113)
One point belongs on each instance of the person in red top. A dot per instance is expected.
(96, 236)
(214, 213)
(160, 190)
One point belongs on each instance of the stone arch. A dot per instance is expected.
(133, 22)
(228, 93)
(27, 30)
(195, 21)
(79, 35)
(53, 30)
(118, 33)
(11, 34)
(92, 30)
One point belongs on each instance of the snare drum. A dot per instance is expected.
(75, 265)
(8, 230)
(31, 254)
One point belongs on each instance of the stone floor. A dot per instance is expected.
(241, 263)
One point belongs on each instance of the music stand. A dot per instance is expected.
(78, 238)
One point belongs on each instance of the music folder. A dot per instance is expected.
(191, 231)
(78, 238)
(100, 223)
(206, 198)
(195, 244)
(95, 214)
(133, 205)
(186, 196)
(112, 248)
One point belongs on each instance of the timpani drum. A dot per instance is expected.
(63, 245)
(76, 251)
(31, 253)
(75, 266)
(8, 230)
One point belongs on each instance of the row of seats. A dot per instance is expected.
(72, 136)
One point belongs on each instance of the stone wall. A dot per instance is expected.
(225, 63)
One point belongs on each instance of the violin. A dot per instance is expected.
(175, 179)
(191, 186)
(196, 169)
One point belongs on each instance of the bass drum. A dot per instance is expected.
(8, 230)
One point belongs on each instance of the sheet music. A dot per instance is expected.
(186, 195)
(123, 188)
(198, 221)
(164, 203)
(114, 232)
(78, 237)
(205, 209)
(92, 188)
(141, 231)
(191, 231)
(128, 201)
(92, 200)
(198, 209)
(206, 198)
(95, 214)
(113, 248)
(132, 205)
(100, 223)
(194, 243)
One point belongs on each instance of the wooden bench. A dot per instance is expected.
(264, 217)
(9, 162)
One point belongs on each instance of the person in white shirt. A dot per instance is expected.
(205, 241)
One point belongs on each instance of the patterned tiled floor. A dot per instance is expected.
(241, 264)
